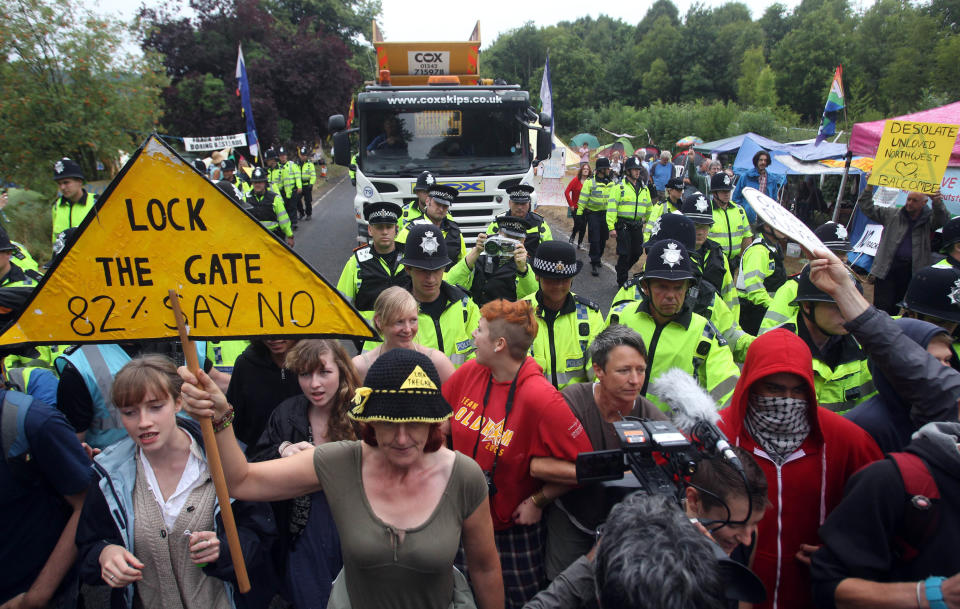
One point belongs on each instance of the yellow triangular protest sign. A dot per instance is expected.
(160, 225)
(418, 380)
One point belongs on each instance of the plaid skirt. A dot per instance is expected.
(521, 560)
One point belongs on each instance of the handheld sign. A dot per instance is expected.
(913, 156)
(780, 218)
(161, 225)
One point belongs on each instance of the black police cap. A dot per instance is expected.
(441, 193)
(697, 208)
(520, 193)
(228, 165)
(382, 212)
(668, 259)
(808, 292)
(425, 248)
(603, 163)
(675, 183)
(67, 168)
(556, 260)
(673, 226)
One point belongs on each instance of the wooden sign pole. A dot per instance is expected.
(213, 456)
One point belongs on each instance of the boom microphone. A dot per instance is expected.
(695, 413)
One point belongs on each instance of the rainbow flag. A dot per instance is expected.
(833, 107)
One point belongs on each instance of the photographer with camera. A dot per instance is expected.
(516, 426)
(538, 231)
(620, 364)
(497, 266)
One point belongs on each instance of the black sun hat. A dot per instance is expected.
(402, 386)
(556, 260)
(425, 248)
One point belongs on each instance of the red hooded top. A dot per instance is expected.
(809, 484)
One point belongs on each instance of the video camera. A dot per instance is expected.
(498, 245)
(656, 453)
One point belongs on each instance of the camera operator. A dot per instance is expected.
(620, 365)
(649, 555)
(497, 266)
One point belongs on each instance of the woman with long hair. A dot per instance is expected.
(572, 193)
(150, 526)
(308, 555)
(396, 318)
(401, 500)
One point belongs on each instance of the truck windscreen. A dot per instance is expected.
(471, 140)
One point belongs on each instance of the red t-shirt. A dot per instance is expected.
(540, 424)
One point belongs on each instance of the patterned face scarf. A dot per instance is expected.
(780, 425)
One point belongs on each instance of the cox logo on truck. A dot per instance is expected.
(462, 187)
(428, 63)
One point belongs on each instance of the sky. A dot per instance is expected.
(400, 23)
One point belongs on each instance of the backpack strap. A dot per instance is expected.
(14, 411)
(921, 516)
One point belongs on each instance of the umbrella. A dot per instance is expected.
(585, 138)
(690, 140)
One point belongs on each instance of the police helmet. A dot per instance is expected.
(259, 174)
(282, 151)
(808, 292)
(675, 184)
(270, 154)
(673, 226)
(602, 163)
(720, 181)
(67, 168)
(834, 236)
(668, 259)
(633, 163)
(424, 181)
(951, 235)
(200, 166)
(425, 248)
(228, 165)
(304, 151)
(934, 291)
(697, 208)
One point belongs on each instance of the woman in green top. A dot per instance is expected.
(401, 500)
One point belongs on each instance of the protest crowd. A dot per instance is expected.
(438, 467)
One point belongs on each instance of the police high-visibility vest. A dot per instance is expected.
(224, 353)
(366, 275)
(290, 178)
(308, 173)
(730, 226)
(840, 389)
(761, 272)
(781, 311)
(269, 210)
(595, 195)
(561, 347)
(68, 215)
(628, 202)
(491, 278)
(689, 342)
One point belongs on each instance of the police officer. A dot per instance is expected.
(761, 274)
(567, 322)
(11, 275)
(228, 173)
(267, 207)
(414, 209)
(308, 177)
(950, 243)
(708, 255)
(672, 202)
(290, 185)
(731, 229)
(841, 376)
(375, 266)
(702, 296)
(447, 316)
(274, 172)
(74, 202)
(782, 310)
(538, 231)
(593, 205)
(934, 295)
(675, 336)
(627, 211)
(438, 201)
(496, 267)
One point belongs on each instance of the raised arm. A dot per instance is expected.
(267, 481)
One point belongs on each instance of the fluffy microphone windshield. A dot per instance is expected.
(686, 399)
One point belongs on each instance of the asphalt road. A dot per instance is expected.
(327, 240)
